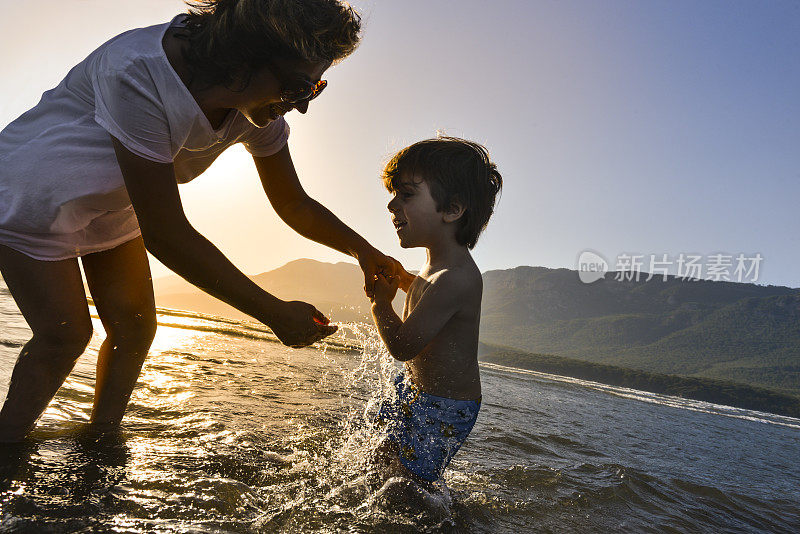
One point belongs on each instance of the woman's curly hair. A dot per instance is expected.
(234, 37)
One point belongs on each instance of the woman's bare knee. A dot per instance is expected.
(119, 280)
(134, 332)
(61, 340)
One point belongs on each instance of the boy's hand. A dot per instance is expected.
(385, 287)
(404, 277)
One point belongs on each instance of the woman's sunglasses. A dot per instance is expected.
(305, 92)
(309, 91)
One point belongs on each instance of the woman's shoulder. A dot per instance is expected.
(135, 49)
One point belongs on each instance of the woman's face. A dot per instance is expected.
(260, 102)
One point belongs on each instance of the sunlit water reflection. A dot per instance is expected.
(229, 432)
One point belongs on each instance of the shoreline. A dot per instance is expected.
(711, 390)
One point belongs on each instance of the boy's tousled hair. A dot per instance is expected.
(456, 170)
(235, 37)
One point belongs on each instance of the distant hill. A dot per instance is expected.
(335, 289)
(724, 330)
(718, 330)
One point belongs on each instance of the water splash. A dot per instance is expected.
(346, 483)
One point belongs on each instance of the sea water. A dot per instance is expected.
(229, 431)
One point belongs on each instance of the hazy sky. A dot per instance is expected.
(658, 127)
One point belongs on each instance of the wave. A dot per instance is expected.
(657, 398)
(204, 322)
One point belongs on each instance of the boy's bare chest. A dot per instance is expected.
(414, 295)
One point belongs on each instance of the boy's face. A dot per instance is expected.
(414, 214)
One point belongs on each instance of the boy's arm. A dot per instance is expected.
(438, 304)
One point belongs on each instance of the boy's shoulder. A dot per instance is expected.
(462, 279)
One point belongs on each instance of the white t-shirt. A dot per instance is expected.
(62, 194)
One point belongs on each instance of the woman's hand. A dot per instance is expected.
(385, 287)
(374, 263)
(298, 324)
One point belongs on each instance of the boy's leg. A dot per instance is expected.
(387, 459)
(120, 283)
(51, 297)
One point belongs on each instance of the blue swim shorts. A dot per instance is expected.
(427, 429)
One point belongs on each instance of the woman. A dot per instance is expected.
(92, 172)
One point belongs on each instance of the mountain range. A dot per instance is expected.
(335, 289)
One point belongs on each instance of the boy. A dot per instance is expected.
(444, 193)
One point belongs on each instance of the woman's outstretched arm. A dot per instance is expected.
(168, 235)
(314, 221)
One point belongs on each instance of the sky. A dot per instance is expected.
(620, 127)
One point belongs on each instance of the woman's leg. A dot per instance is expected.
(120, 284)
(51, 297)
